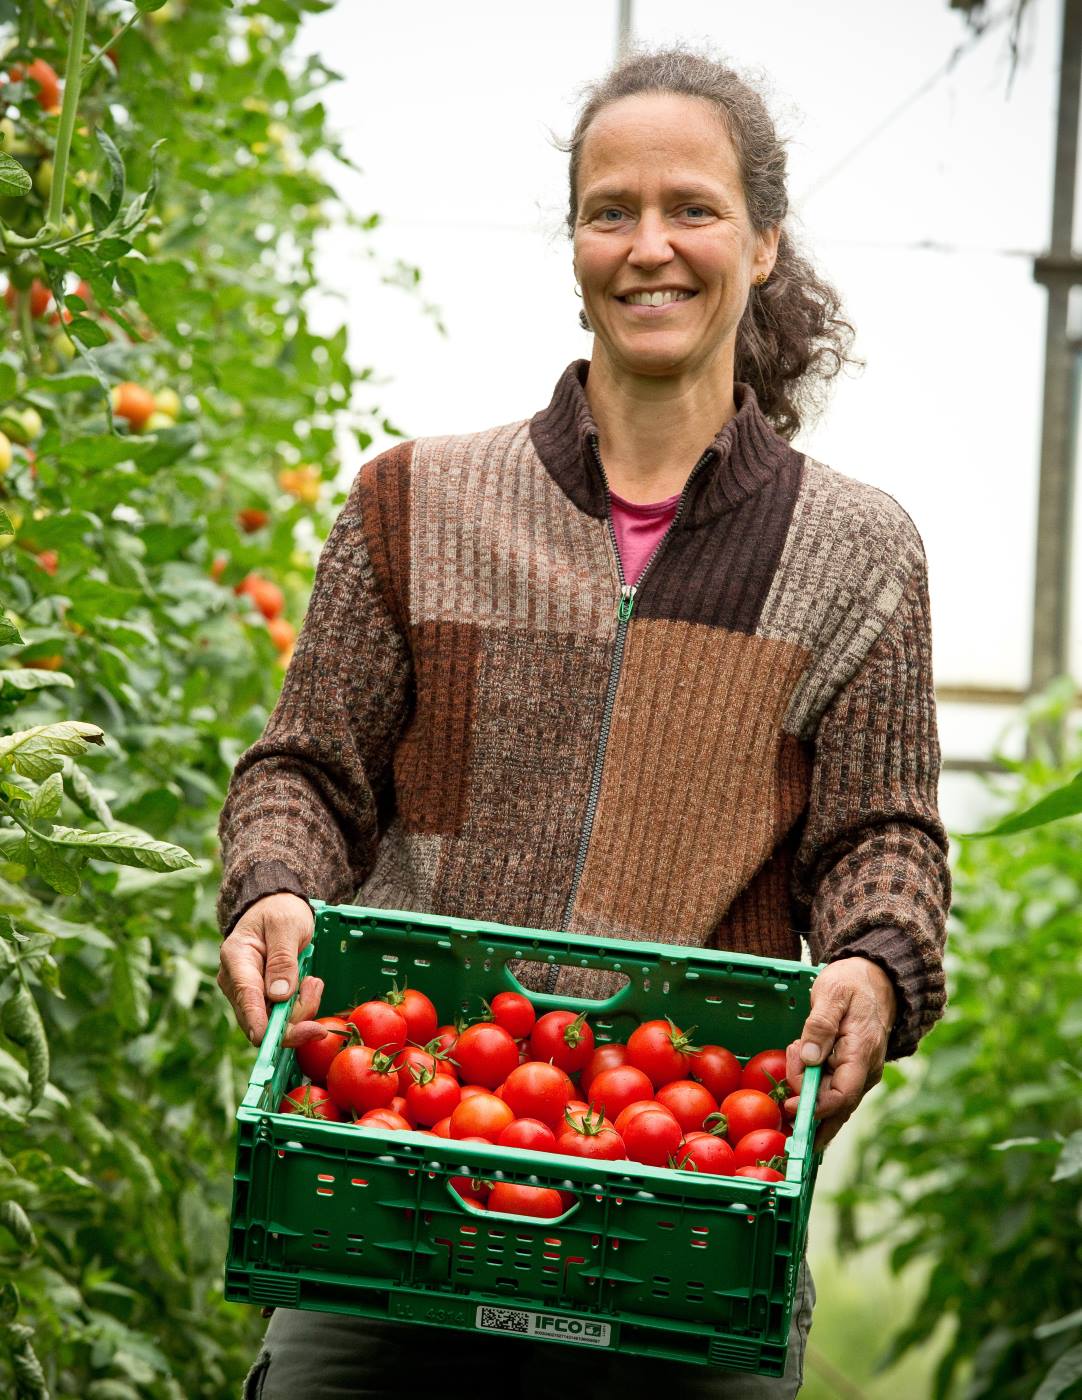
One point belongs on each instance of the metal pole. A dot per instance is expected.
(623, 32)
(1059, 271)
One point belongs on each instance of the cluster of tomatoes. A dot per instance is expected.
(541, 1083)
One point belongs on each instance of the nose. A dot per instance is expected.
(650, 247)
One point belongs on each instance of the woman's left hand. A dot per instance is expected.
(853, 1010)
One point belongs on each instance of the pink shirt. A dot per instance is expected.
(638, 530)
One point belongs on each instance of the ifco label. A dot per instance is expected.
(586, 1330)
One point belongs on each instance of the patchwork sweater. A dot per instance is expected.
(482, 719)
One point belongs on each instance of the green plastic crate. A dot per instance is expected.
(693, 1268)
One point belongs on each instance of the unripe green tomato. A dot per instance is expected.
(13, 143)
(23, 424)
(43, 179)
(64, 345)
(168, 401)
(5, 453)
(157, 421)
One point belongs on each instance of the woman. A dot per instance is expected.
(634, 668)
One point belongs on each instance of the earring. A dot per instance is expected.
(760, 279)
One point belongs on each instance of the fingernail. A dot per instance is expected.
(809, 1053)
(279, 988)
(252, 1037)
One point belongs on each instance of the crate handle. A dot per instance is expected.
(486, 1214)
(610, 1003)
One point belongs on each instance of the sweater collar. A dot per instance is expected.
(742, 458)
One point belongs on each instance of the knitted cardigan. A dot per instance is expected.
(480, 719)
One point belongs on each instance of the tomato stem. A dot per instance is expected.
(73, 78)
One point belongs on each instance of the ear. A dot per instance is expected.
(766, 252)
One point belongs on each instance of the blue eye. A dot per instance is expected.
(604, 215)
(694, 209)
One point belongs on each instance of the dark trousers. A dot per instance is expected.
(329, 1356)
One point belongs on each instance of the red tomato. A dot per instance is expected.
(443, 1041)
(604, 1057)
(763, 1147)
(530, 1133)
(420, 1014)
(380, 1026)
(414, 1057)
(594, 1138)
(311, 1102)
(432, 1096)
(44, 76)
(507, 1198)
(614, 1089)
(536, 1090)
(578, 1114)
(690, 1103)
(361, 1078)
(314, 1056)
(486, 1054)
(472, 1188)
(747, 1110)
(468, 1090)
(514, 1013)
(759, 1173)
(577, 1106)
(443, 1127)
(624, 1117)
(718, 1069)
(766, 1072)
(40, 297)
(660, 1050)
(482, 1115)
(399, 1105)
(653, 1137)
(384, 1118)
(564, 1038)
(703, 1152)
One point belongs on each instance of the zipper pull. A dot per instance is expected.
(627, 602)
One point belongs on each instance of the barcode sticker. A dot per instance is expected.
(536, 1324)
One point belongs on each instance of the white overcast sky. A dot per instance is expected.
(927, 226)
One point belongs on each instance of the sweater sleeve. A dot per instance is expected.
(871, 874)
(302, 812)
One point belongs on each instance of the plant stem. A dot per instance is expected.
(94, 57)
(73, 76)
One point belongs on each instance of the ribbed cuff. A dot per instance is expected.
(264, 878)
(892, 950)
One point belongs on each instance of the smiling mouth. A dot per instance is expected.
(655, 298)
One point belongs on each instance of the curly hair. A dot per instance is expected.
(792, 337)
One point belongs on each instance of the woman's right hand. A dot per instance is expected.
(259, 967)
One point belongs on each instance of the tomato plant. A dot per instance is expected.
(184, 267)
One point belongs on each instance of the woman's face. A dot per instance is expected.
(661, 210)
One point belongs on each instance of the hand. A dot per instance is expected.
(853, 1010)
(259, 966)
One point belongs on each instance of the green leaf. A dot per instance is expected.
(86, 795)
(28, 678)
(125, 848)
(14, 179)
(1062, 1324)
(86, 331)
(1065, 801)
(147, 6)
(6, 527)
(57, 872)
(9, 1302)
(131, 989)
(15, 1220)
(45, 803)
(8, 380)
(1070, 1159)
(21, 1022)
(1064, 1373)
(35, 753)
(116, 172)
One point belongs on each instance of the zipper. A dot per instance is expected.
(625, 605)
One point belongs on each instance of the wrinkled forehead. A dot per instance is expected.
(658, 138)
